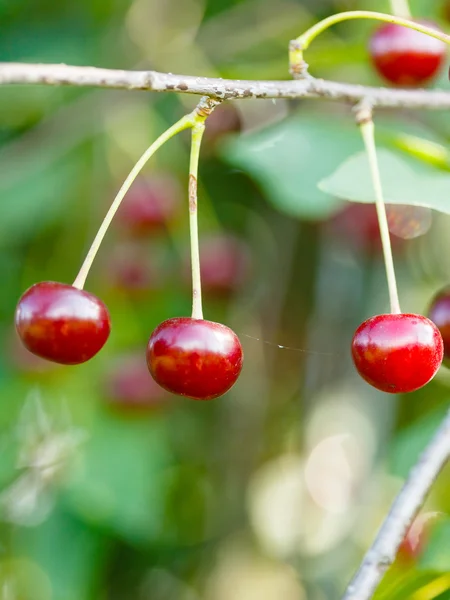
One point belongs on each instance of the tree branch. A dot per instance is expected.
(221, 89)
(383, 551)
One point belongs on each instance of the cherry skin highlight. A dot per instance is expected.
(62, 323)
(406, 57)
(397, 353)
(194, 358)
(439, 313)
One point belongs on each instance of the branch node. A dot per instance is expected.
(298, 67)
(206, 105)
(363, 111)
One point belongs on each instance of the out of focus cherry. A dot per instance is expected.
(406, 57)
(417, 537)
(439, 313)
(357, 224)
(224, 120)
(150, 204)
(225, 264)
(133, 267)
(129, 387)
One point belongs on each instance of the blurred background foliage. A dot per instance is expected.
(113, 490)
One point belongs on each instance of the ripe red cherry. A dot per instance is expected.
(62, 323)
(195, 358)
(150, 204)
(404, 56)
(439, 313)
(397, 353)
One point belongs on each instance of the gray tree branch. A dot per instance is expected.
(383, 551)
(221, 89)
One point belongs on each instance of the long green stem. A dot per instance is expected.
(301, 43)
(197, 133)
(368, 134)
(184, 123)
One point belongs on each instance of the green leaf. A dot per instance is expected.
(36, 199)
(411, 442)
(436, 554)
(288, 159)
(68, 552)
(405, 180)
(401, 584)
(119, 485)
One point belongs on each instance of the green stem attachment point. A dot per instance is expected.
(367, 128)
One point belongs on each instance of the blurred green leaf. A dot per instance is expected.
(411, 441)
(411, 584)
(119, 485)
(292, 162)
(436, 553)
(405, 181)
(37, 199)
(70, 553)
(288, 159)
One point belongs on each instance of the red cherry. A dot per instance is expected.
(129, 386)
(404, 56)
(150, 205)
(439, 313)
(195, 358)
(62, 323)
(397, 353)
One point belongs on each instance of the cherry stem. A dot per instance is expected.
(368, 134)
(400, 8)
(301, 43)
(197, 133)
(184, 123)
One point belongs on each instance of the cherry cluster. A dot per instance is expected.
(201, 359)
(402, 352)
